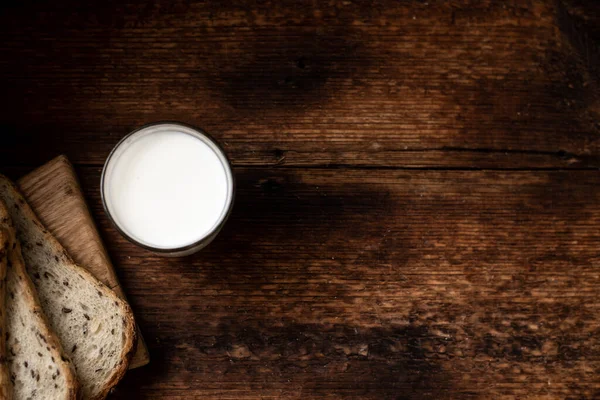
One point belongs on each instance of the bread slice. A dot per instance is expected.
(38, 366)
(5, 385)
(95, 326)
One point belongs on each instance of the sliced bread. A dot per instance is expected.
(38, 367)
(95, 326)
(5, 385)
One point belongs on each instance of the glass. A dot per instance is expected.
(213, 145)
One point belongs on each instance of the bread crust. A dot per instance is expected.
(5, 385)
(130, 331)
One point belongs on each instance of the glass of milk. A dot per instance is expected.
(168, 188)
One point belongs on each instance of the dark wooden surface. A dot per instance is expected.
(418, 213)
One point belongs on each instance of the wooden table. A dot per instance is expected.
(418, 199)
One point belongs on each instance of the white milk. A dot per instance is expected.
(166, 188)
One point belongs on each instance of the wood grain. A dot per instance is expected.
(377, 285)
(53, 192)
(460, 84)
(418, 190)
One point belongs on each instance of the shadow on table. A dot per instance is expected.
(321, 226)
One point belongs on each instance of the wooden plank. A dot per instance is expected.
(337, 283)
(377, 284)
(53, 192)
(401, 84)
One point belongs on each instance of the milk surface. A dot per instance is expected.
(165, 189)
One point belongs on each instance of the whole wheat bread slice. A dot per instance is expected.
(5, 244)
(39, 369)
(95, 326)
